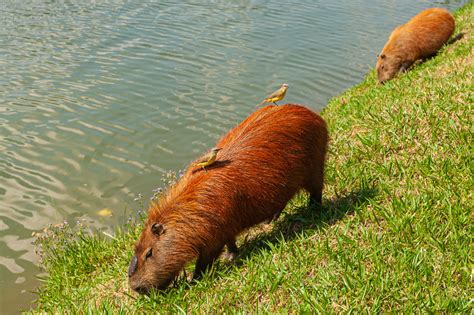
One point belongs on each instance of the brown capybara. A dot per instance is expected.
(419, 38)
(263, 162)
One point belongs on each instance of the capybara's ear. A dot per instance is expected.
(382, 56)
(157, 229)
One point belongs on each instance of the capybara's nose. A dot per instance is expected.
(133, 266)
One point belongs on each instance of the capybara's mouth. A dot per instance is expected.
(147, 290)
(142, 290)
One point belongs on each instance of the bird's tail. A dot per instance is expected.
(262, 102)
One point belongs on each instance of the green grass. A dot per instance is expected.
(394, 233)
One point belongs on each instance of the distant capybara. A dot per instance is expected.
(419, 38)
(264, 161)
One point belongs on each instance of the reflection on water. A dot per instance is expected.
(97, 100)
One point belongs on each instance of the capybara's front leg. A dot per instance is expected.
(405, 66)
(205, 260)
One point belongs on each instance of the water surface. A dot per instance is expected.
(99, 99)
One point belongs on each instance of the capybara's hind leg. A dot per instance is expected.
(205, 260)
(316, 191)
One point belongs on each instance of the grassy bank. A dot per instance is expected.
(393, 235)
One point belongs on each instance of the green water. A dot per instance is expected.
(99, 99)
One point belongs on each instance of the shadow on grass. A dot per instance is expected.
(306, 218)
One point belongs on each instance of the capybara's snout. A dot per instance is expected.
(132, 268)
(135, 284)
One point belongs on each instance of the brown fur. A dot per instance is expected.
(419, 38)
(264, 161)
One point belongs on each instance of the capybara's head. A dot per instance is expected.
(157, 258)
(388, 66)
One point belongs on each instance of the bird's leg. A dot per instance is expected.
(275, 103)
(204, 168)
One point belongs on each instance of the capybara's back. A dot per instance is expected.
(264, 161)
(277, 146)
(419, 38)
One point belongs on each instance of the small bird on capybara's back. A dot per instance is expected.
(419, 38)
(264, 161)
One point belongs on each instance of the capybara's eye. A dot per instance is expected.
(149, 253)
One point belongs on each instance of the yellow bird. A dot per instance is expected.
(208, 159)
(276, 96)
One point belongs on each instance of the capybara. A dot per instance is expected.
(419, 38)
(263, 162)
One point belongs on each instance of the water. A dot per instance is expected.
(99, 99)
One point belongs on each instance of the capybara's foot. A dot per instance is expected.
(315, 200)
